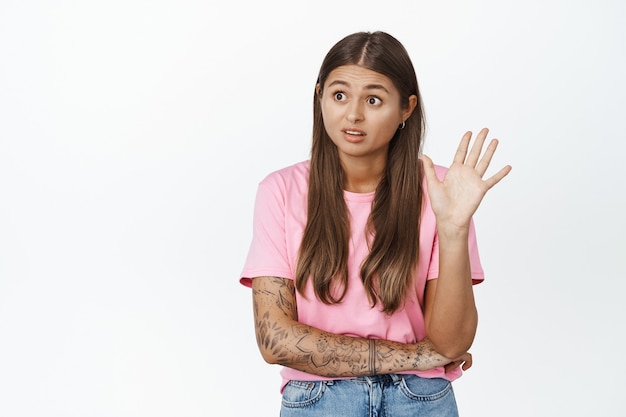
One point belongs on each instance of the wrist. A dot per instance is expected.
(451, 232)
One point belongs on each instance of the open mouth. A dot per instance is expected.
(354, 132)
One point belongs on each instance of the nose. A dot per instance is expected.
(355, 112)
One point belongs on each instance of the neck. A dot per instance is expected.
(362, 177)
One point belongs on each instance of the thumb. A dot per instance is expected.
(429, 169)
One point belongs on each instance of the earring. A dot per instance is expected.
(402, 125)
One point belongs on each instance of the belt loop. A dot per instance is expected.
(396, 379)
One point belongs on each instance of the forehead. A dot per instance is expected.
(355, 76)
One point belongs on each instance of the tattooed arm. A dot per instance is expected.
(283, 340)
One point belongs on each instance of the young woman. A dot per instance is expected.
(363, 258)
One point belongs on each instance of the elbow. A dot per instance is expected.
(453, 346)
(275, 344)
(453, 341)
(454, 351)
(269, 359)
(268, 356)
(269, 349)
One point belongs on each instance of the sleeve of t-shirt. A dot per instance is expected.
(267, 255)
(476, 268)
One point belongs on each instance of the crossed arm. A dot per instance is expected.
(283, 340)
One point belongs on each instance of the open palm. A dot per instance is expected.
(454, 199)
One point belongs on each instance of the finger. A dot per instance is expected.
(452, 366)
(482, 166)
(495, 178)
(461, 151)
(429, 170)
(468, 363)
(477, 148)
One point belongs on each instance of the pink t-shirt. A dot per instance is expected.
(279, 222)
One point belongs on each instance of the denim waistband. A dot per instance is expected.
(373, 380)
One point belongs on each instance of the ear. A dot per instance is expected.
(406, 113)
(318, 90)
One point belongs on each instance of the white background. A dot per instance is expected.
(132, 138)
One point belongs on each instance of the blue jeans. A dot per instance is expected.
(378, 396)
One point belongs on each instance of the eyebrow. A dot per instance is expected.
(367, 87)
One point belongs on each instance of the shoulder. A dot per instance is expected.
(295, 172)
(288, 178)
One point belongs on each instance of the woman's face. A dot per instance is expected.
(362, 111)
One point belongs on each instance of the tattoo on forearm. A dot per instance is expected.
(269, 334)
(300, 347)
(335, 355)
(372, 358)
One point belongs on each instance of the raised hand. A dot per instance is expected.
(454, 199)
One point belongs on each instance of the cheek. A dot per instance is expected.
(329, 113)
(324, 109)
(388, 132)
(387, 125)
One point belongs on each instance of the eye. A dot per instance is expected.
(374, 101)
(340, 96)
